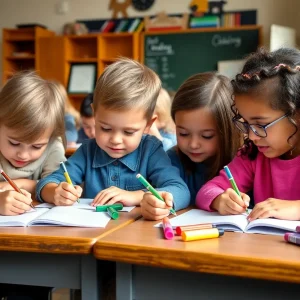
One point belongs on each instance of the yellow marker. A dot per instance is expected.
(67, 176)
(201, 234)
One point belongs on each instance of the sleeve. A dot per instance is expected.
(76, 166)
(71, 131)
(242, 170)
(165, 177)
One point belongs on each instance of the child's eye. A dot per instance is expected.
(37, 147)
(208, 137)
(183, 134)
(129, 132)
(14, 143)
(105, 129)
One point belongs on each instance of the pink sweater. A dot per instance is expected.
(267, 177)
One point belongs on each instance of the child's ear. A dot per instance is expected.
(150, 123)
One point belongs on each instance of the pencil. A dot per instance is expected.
(233, 183)
(152, 190)
(67, 176)
(14, 186)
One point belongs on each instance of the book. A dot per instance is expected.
(236, 223)
(57, 216)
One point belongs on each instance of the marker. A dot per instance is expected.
(233, 184)
(113, 213)
(201, 234)
(13, 185)
(116, 206)
(293, 238)
(167, 227)
(180, 229)
(66, 174)
(298, 228)
(152, 190)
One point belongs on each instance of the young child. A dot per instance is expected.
(31, 132)
(163, 127)
(124, 103)
(267, 107)
(31, 147)
(87, 131)
(206, 138)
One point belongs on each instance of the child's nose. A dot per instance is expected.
(116, 139)
(194, 143)
(253, 136)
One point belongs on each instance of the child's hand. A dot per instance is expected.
(113, 194)
(14, 203)
(229, 203)
(279, 209)
(65, 194)
(155, 209)
(5, 186)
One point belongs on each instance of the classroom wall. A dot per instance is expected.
(12, 12)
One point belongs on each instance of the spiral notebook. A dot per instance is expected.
(237, 223)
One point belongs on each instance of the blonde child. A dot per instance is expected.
(206, 138)
(163, 127)
(124, 102)
(72, 118)
(267, 109)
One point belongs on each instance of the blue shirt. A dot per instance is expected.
(70, 126)
(169, 139)
(81, 136)
(194, 180)
(93, 166)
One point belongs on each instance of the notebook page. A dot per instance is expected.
(21, 220)
(272, 226)
(85, 203)
(70, 216)
(197, 216)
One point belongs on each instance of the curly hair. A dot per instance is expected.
(262, 68)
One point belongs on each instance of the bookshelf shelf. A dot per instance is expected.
(32, 56)
(83, 60)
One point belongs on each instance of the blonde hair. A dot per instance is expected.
(30, 105)
(163, 111)
(127, 84)
(69, 108)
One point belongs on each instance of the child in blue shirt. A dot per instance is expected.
(124, 102)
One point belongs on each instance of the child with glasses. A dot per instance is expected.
(267, 110)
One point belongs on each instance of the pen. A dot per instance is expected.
(167, 227)
(113, 213)
(152, 190)
(293, 238)
(67, 176)
(180, 229)
(116, 206)
(14, 186)
(233, 184)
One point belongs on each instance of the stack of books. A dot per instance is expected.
(122, 25)
(205, 21)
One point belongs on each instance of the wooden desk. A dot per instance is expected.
(55, 256)
(230, 267)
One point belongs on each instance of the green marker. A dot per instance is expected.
(113, 213)
(102, 208)
(152, 190)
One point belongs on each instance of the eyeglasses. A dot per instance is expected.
(259, 130)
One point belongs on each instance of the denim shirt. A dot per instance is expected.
(194, 180)
(93, 166)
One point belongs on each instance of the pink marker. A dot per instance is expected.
(292, 238)
(298, 228)
(168, 230)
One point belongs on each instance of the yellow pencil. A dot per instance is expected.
(67, 176)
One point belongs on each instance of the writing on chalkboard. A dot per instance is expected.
(219, 41)
(157, 47)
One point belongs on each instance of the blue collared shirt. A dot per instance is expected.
(93, 166)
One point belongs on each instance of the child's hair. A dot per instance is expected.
(212, 91)
(127, 84)
(276, 74)
(69, 108)
(163, 110)
(30, 105)
(86, 108)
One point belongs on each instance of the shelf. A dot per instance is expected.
(83, 60)
(77, 95)
(28, 57)
(108, 60)
(20, 39)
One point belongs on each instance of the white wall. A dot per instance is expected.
(12, 12)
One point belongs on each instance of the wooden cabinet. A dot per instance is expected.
(57, 54)
(21, 50)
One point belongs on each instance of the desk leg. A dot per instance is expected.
(124, 282)
(89, 279)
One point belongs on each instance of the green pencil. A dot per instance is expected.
(152, 190)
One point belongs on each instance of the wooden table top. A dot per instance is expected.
(237, 254)
(63, 240)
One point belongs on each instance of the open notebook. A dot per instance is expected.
(235, 223)
(84, 203)
(58, 216)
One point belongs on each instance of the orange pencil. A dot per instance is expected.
(179, 229)
(14, 186)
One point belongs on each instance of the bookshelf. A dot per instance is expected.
(60, 52)
(21, 50)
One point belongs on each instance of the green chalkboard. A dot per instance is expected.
(176, 56)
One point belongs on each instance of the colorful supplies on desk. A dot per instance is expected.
(293, 238)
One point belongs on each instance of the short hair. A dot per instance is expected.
(127, 84)
(30, 105)
(213, 91)
(86, 108)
